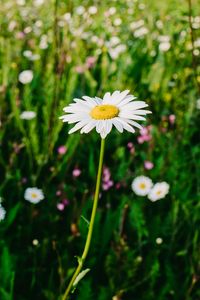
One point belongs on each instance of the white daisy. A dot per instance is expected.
(2, 213)
(27, 115)
(142, 185)
(26, 76)
(159, 191)
(116, 109)
(33, 195)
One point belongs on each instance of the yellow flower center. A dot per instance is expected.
(34, 195)
(158, 193)
(142, 186)
(104, 111)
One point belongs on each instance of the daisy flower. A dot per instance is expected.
(2, 213)
(26, 76)
(27, 115)
(33, 195)
(142, 185)
(116, 109)
(159, 191)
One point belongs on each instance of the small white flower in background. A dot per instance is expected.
(116, 109)
(164, 43)
(38, 2)
(2, 213)
(142, 185)
(28, 115)
(21, 2)
(159, 241)
(33, 195)
(26, 76)
(117, 22)
(159, 191)
(28, 53)
(163, 38)
(164, 46)
(92, 10)
(35, 242)
(80, 10)
(43, 42)
(198, 104)
(140, 32)
(112, 10)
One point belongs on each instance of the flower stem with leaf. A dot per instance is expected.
(81, 259)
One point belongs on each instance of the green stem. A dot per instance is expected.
(90, 231)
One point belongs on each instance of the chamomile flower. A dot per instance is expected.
(159, 191)
(116, 109)
(33, 195)
(27, 115)
(2, 213)
(26, 76)
(142, 185)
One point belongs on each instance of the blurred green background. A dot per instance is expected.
(140, 250)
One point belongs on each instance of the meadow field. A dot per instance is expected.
(145, 244)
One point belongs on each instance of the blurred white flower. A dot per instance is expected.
(28, 115)
(2, 213)
(159, 24)
(26, 76)
(20, 2)
(92, 10)
(35, 242)
(80, 10)
(43, 42)
(116, 109)
(198, 104)
(67, 17)
(141, 32)
(115, 40)
(196, 52)
(142, 185)
(159, 191)
(197, 43)
(27, 53)
(117, 22)
(28, 29)
(112, 10)
(39, 23)
(159, 241)
(137, 24)
(33, 195)
(115, 52)
(163, 38)
(164, 46)
(38, 2)
(12, 25)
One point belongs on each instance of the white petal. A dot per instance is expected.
(118, 125)
(136, 105)
(130, 116)
(108, 126)
(79, 101)
(99, 100)
(88, 127)
(99, 126)
(119, 97)
(141, 112)
(78, 108)
(106, 97)
(126, 125)
(131, 122)
(78, 126)
(126, 100)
